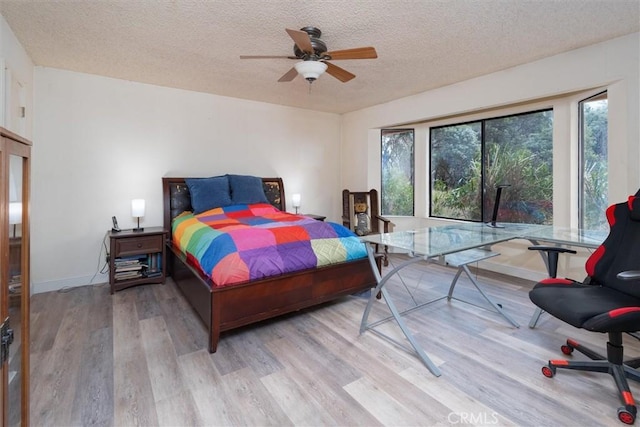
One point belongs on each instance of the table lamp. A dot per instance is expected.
(137, 210)
(295, 199)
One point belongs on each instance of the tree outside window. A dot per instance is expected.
(468, 161)
(397, 155)
(594, 187)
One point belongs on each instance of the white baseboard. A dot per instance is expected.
(56, 285)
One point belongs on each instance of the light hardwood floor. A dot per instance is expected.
(138, 358)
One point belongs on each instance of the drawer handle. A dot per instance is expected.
(139, 245)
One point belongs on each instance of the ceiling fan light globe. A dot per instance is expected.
(310, 70)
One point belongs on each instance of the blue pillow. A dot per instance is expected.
(246, 190)
(208, 193)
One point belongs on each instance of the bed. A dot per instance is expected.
(223, 307)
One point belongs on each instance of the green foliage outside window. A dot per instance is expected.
(595, 176)
(397, 192)
(456, 172)
(468, 161)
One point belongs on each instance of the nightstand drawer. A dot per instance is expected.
(139, 245)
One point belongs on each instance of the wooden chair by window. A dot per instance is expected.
(360, 214)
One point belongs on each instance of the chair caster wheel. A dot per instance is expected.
(566, 349)
(548, 371)
(626, 416)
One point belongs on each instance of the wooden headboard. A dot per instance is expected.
(177, 199)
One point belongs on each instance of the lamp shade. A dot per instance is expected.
(137, 207)
(295, 199)
(310, 70)
(15, 213)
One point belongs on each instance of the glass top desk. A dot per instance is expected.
(428, 243)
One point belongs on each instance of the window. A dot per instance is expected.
(469, 160)
(593, 180)
(397, 190)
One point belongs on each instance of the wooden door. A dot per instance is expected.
(14, 292)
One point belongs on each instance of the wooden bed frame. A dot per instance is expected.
(226, 308)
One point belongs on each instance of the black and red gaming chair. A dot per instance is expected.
(607, 301)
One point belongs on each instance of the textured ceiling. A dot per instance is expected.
(421, 45)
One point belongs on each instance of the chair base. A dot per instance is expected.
(612, 365)
(574, 345)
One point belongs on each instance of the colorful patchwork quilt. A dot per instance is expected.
(238, 243)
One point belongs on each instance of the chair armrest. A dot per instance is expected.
(557, 249)
(629, 275)
(553, 252)
(385, 222)
(383, 219)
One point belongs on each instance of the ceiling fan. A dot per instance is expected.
(313, 56)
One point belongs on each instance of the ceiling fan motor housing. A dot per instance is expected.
(319, 47)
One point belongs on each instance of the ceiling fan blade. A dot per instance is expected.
(289, 75)
(266, 57)
(355, 53)
(339, 73)
(301, 39)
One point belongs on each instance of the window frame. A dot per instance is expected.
(482, 122)
(386, 131)
(599, 95)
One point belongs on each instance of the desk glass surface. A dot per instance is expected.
(565, 236)
(442, 240)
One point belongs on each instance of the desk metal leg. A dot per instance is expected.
(394, 311)
(535, 317)
(495, 306)
(461, 260)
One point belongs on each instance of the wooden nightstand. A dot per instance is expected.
(137, 257)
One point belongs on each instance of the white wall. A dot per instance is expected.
(100, 142)
(20, 67)
(613, 64)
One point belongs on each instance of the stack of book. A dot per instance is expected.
(129, 267)
(155, 266)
